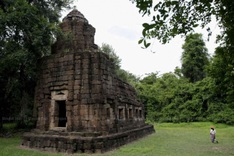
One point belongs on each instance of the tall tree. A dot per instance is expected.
(221, 70)
(28, 28)
(194, 58)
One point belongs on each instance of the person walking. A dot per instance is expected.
(213, 134)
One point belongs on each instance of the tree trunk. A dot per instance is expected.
(21, 115)
(1, 122)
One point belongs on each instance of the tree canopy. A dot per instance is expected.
(179, 17)
(28, 28)
(194, 58)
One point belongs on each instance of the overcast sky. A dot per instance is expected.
(119, 24)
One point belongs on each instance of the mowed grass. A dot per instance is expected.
(184, 139)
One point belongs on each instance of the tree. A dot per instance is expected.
(179, 17)
(194, 58)
(146, 92)
(221, 70)
(110, 51)
(28, 29)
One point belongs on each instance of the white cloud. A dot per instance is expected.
(123, 32)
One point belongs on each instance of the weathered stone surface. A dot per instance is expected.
(82, 106)
(80, 143)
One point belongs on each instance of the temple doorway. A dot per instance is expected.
(62, 118)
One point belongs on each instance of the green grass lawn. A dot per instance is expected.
(185, 139)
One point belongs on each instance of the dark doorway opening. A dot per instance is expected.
(62, 118)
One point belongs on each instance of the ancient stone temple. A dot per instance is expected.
(82, 106)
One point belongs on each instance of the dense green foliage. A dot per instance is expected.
(185, 139)
(169, 98)
(222, 70)
(200, 91)
(194, 58)
(180, 17)
(28, 28)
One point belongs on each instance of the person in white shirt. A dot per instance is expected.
(213, 134)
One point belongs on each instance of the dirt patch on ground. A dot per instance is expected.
(217, 148)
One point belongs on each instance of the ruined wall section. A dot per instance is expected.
(97, 100)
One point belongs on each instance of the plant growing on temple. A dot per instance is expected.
(114, 58)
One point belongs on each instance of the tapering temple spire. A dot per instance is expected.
(75, 15)
(78, 34)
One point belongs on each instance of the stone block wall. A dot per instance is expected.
(96, 99)
(66, 142)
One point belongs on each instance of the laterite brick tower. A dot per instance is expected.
(82, 106)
